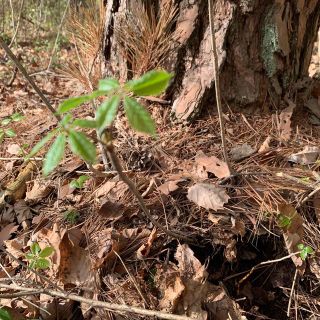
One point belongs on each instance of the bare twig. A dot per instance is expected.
(18, 24)
(58, 35)
(106, 140)
(267, 262)
(217, 83)
(291, 292)
(98, 304)
(26, 75)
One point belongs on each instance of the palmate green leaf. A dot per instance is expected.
(10, 133)
(46, 252)
(74, 102)
(35, 248)
(4, 314)
(55, 154)
(138, 117)
(107, 112)
(78, 183)
(30, 256)
(5, 121)
(42, 263)
(82, 146)
(40, 145)
(303, 254)
(150, 84)
(84, 123)
(17, 117)
(108, 84)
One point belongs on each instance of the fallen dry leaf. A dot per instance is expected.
(241, 152)
(308, 155)
(144, 250)
(14, 149)
(213, 165)
(22, 211)
(208, 196)
(293, 232)
(265, 145)
(170, 186)
(115, 189)
(6, 232)
(284, 125)
(41, 188)
(189, 293)
(111, 210)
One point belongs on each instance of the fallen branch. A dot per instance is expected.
(95, 303)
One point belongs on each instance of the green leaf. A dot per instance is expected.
(17, 117)
(40, 144)
(55, 154)
(74, 102)
(78, 183)
(74, 184)
(138, 117)
(46, 252)
(303, 254)
(300, 246)
(5, 121)
(35, 248)
(32, 264)
(30, 256)
(42, 264)
(82, 179)
(108, 84)
(84, 123)
(82, 146)
(10, 133)
(66, 119)
(4, 314)
(309, 250)
(107, 112)
(150, 84)
(1, 135)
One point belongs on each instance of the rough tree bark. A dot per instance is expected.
(264, 47)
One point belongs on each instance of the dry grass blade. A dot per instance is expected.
(86, 28)
(145, 37)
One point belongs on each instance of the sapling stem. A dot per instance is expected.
(106, 139)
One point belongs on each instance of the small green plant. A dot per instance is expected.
(7, 131)
(152, 83)
(4, 314)
(78, 183)
(71, 216)
(284, 221)
(305, 251)
(38, 258)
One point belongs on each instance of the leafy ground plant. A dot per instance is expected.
(151, 83)
(6, 131)
(38, 258)
(305, 251)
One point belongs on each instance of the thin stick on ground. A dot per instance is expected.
(217, 83)
(26, 75)
(94, 303)
(109, 149)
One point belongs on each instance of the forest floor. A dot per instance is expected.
(246, 227)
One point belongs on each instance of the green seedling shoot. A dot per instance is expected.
(38, 258)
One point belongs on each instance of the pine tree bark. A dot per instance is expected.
(264, 47)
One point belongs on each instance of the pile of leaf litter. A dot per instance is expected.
(255, 231)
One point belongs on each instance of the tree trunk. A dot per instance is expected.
(264, 47)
